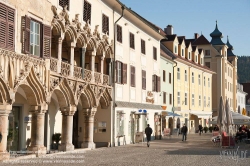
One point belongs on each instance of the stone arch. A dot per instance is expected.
(82, 40)
(58, 27)
(85, 100)
(92, 44)
(104, 102)
(67, 91)
(33, 88)
(63, 100)
(89, 91)
(100, 48)
(70, 34)
(4, 92)
(109, 52)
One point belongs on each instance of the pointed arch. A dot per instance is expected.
(85, 100)
(58, 27)
(4, 92)
(92, 44)
(82, 40)
(70, 34)
(100, 48)
(67, 91)
(89, 91)
(109, 52)
(61, 97)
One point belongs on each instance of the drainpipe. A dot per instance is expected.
(173, 109)
(113, 75)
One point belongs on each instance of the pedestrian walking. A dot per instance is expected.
(200, 128)
(148, 132)
(184, 131)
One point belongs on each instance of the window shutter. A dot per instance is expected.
(124, 73)
(144, 79)
(11, 29)
(3, 25)
(158, 84)
(46, 40)
(27, 35)
(153, 82)
(132, 76)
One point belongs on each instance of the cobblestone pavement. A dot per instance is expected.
(196, 151)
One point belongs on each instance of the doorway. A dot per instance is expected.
(14, 129)
(75, 130)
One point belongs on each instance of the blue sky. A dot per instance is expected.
(196, 16)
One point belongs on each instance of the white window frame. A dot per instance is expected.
(119, 72)
(34, 45)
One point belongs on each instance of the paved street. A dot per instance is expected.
(197, 150)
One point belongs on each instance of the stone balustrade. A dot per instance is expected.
(97, 77)
(105, 79)
(87, 75)
(53, 64)
(17, 65)
(65, 69)
(77, 72)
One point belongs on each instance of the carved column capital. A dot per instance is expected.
(89, 112)
(36, 109)
(68, 111)
(59, 40)
(5, 109)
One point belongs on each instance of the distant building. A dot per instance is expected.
(241, 98)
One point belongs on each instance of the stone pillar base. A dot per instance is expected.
(66, 147)
(39, 151)
(4, 156)
(88, 145)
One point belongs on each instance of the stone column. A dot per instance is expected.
(4, 113)
(59, 55)
(72, 58)
(83, 60)
(37, 130)
(101, 60)
(89, 115)
(92, 59)
(67, 127)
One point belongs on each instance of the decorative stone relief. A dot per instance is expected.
(63, 16)
(23, 74)
(1, 71)
(96, 33)
(80, 88)
(72, 84)
(87, 29)
(76, 23)
(54, 82)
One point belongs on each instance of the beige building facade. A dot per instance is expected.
(192, 83)
(54, 74)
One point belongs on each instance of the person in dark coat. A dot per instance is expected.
(200, 128)
(184, 131)
(148, 132)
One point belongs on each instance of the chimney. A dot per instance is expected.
(196, 35)
(169, 30)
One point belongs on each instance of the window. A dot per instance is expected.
(63, 3)
(132, 76)
(196, 59)
(208, 104)
(207, 52)
(143, 51)
(119, 34)
(105, 24)
(175, 49)
(182, 52)
(204, 101)
(164, 97)
(192, 77)
(169, 78)
(7, 27)
(188, 55)
(178, 98)
(87, 12)
(208, 83)
(207, 64)
(154, 53)
(199, 79)
(226, 83)
(201, 61)
(178, 74)
(144, 79)
(170, 99)
(156, 83)
(164, 76)
(185, 75)
(121, 73)
(186, 99)
(204, 81)
(132, 40)
(199, 100)
(192, 99)
(37, 38)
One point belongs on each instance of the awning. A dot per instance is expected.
(171, 114)
(204, 115)
(137, 105)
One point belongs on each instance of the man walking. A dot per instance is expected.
(200, 128)
(148, 132)
(184, 131)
